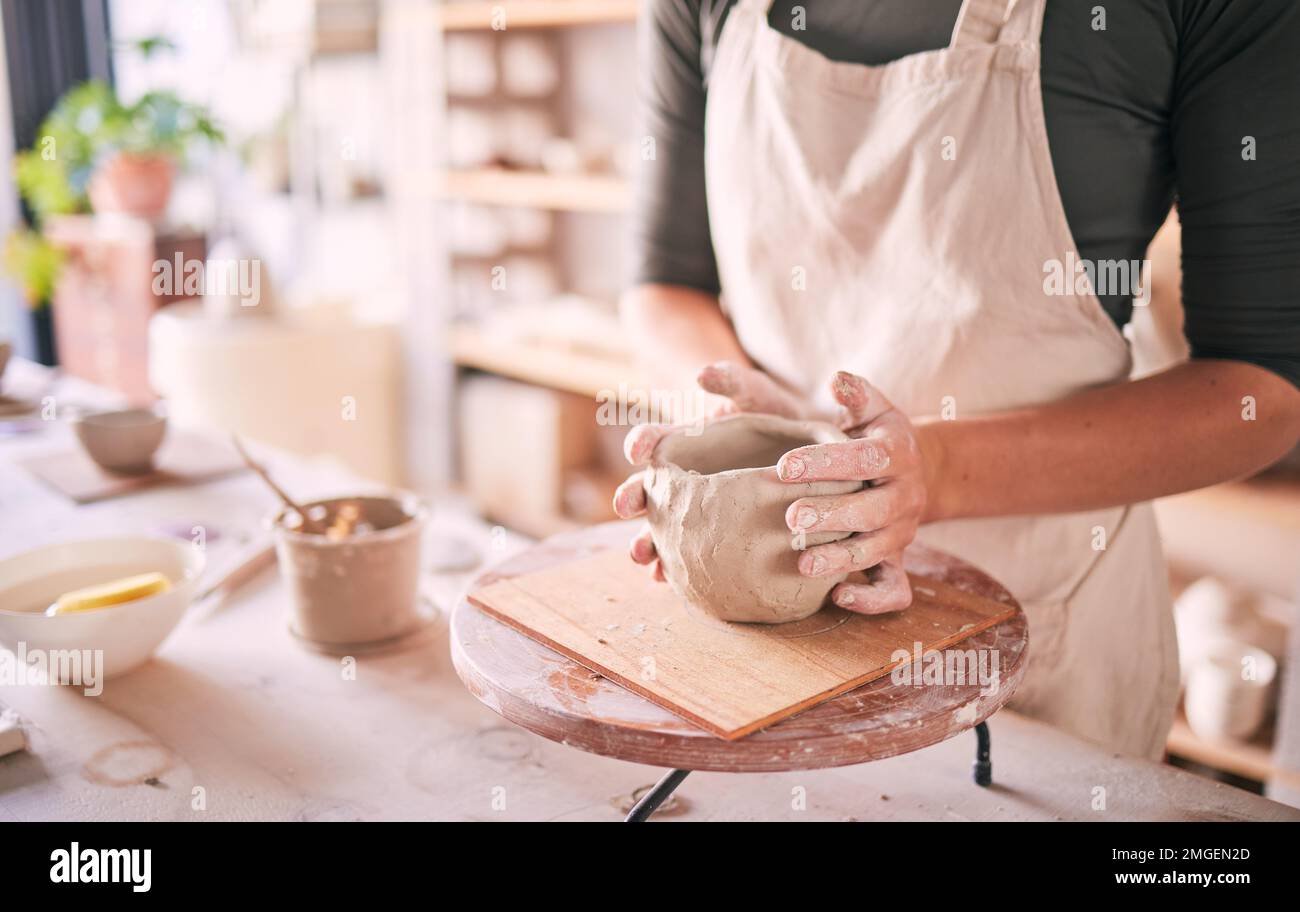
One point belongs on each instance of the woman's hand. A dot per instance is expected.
(732, 388)
(886, 453)
(740, 388)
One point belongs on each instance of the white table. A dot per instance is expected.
(234, 721)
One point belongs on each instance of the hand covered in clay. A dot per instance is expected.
(732, 388)
(883, 516)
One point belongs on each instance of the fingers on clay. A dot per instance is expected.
(862, 402)
(864, 459)
(887, 590)
(629, 499)
(640, 442)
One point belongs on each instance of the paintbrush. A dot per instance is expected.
(308, 524)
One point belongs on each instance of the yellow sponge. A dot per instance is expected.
(127, 589)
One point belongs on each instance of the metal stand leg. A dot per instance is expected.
(983, 765)
(651, 800)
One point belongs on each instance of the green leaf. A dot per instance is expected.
(34, 263)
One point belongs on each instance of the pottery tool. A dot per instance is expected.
(607, 614)
(308, 524)
(184, 458)
(244, 571)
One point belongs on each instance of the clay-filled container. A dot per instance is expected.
(358, 590)
(717, 512)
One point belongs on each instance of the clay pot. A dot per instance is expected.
(717, 512)
(122, 442)
(359, 591)
(134, 184)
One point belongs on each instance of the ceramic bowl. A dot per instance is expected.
(128, 633)
(717, 513)
(123, 442)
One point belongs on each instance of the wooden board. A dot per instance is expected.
(607, 613)
(184, 458)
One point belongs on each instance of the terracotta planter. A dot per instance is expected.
(134, 184)
(717, 513)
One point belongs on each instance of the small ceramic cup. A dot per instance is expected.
(356, 591)
(123, 442)
(1230, 691)
(717, 514)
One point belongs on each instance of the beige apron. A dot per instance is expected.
(894, 221)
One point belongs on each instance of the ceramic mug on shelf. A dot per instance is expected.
(1229, 691)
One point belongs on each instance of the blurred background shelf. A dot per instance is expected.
(559, 192)
(469, 15)
(584, 374)
(517, 124)
(1246, 532)
(1245, 537)
(1247, 759)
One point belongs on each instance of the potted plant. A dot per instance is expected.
(95, 152)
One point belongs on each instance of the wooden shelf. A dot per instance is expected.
(467, 15)
(1248, 759)
(558, 192)
(574, 372)
(1246, 532)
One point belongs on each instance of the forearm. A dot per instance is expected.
(1176, 431)
(677, 331)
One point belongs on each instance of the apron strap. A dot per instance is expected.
(980, 22)
(1024, 23)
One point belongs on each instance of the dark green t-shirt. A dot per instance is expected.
(1198, 99)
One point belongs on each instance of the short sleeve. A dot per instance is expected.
(1236, 143)
(670, 232)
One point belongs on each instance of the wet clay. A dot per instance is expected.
(717, 512)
